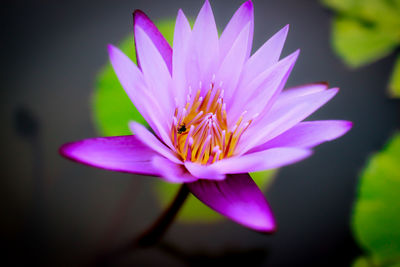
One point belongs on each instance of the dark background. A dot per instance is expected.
(58, 213)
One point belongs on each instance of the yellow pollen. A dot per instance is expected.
(200, 131)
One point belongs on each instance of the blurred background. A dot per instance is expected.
(58, 213)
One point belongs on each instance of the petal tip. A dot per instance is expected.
(347, 125)
(265, 224)
(343, 128)
(137, 14)
(249, 5)
(110, 49)
(206, 7)
(268, 229)
(285, 29)
(292, 57)
(334, 90)
(63, 150)
(71, 151)
(350, 124)
(134, 126)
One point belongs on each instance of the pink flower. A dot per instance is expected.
(217, 113)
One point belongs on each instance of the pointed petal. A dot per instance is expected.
(182, 35)
(308, 134)
(134, 85)
(204, 45)
(243, 16)
(257, 97)
(116, 153)
(298, 91)
(232, 65)
(283, 117)
(154, 70)
(203, 171)
(140, 19)
(265, 56)
(152, 142)
(171, 172)
(238, 198)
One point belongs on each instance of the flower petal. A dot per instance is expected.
(140, 19)
(154, 71)
(152, 142)
(116, 153)
(238, 198)
(182, 35)
(283, 117)
(256, 97)
(243, 16)
(203, 171)
(204, 48)
(232, 65)
(134, 85)
(171, 172)
(265, 56)
(308, 134)
(260, 161)
(298, 91)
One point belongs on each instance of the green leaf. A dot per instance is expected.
(380, 12)
(112, 107)
(362, 262)
(359, 44)
(194, 211)
(394, 84)
(342, 6)
(376, 217)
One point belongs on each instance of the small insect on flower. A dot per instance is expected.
(182, 129)
(217, 113)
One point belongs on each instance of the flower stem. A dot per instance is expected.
(154, 233)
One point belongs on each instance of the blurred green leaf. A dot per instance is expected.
(362, 262)
(343, 6)
(394, 84)
(379, 12)
(376, 218)
(365, 31)
(368, 262)
(194, 211)
(358, 44)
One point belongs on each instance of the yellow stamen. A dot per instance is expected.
(200, 130)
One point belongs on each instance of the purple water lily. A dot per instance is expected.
(216, 113)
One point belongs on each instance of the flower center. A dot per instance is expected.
(200, 132)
